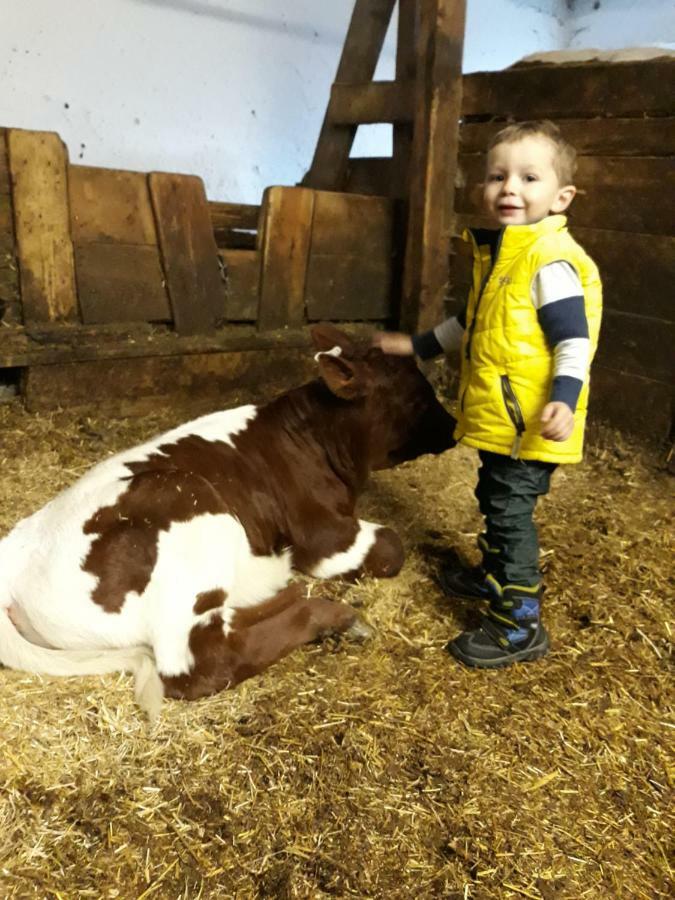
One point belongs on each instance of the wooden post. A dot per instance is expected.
(434, 161)
(38, 163)
(286, 234)
(405, 74)
(365, 37)
(10, 305)
(189, 252)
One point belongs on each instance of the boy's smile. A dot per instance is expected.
(521, 184)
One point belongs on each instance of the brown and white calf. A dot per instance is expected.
(173, 560)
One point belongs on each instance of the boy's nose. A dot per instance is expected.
(509, 185)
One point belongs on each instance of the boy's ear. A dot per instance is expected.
(341, 376)
(563, 199)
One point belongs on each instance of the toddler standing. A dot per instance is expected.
(527, 336)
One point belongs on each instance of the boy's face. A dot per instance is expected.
(521, 184)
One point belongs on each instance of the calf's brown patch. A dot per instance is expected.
(209, 600)
(124, 552)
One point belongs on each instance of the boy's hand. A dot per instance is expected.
(557, 421)
(393, 342)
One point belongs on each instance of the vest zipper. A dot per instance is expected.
(483, 285)
(515, 413)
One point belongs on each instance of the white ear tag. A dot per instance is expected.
(334, 351)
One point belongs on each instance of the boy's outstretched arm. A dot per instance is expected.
(394, 342)
(444, 338)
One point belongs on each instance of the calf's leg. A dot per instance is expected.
(362, 548)
(257, 637)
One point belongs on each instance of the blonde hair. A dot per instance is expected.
(565, 156)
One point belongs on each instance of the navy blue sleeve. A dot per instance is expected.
(426, 345)
(566, 389)
(563, 320)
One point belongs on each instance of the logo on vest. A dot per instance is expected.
(505, 279)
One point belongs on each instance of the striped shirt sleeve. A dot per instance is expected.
(558, 297)
(444, 338)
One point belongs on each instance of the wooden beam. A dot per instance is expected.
(189, 252)
(370, 175)
(434, 161)
(406, 66)
(38, 163)
(10, 302)
(132, 386)
(286, 233)
(4, 163)
(59, 344)
(591, 89)
(243, 216)
(374, 101)
(365, 37)
(10, 306)
(591, 137)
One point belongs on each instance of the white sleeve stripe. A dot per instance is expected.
(572, 358)
(556, 281)
(449, 334)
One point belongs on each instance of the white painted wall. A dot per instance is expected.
(231, 90)
(614, 24)
(500, 32)
(227, 89)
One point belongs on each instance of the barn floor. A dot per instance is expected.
(380, 770)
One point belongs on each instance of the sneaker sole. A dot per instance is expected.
(477, 662)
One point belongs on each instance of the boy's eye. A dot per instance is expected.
(495, 176)
(530, 178)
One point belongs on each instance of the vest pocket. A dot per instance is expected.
(515, 413)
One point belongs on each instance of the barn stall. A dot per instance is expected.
(381, 769)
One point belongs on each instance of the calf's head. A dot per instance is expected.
(399, 408)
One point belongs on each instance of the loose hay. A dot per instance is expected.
(375, 770)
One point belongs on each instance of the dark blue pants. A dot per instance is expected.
(507, 494)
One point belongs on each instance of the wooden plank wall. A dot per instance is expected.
(189, 253)
(10, 306)
(621, 119)
(236, 229)
(324, 255)
(38, 162)
(119, 273)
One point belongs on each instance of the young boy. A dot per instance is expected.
(527, 336)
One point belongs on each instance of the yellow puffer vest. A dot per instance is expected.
(507, 366)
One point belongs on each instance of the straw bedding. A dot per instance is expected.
(375, 770)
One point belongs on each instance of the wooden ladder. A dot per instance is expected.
(423, 104)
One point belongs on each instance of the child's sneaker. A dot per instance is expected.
(509, 632)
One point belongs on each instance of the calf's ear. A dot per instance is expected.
(326, 336)
(341, 376)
